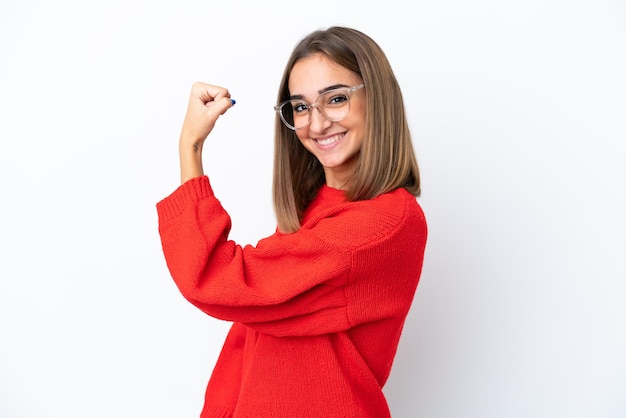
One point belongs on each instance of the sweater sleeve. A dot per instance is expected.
(305, 283)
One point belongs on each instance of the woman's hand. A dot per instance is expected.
(206, 104)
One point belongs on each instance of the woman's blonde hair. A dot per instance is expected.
(386, 160)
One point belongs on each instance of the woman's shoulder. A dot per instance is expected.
(400, 198)
(363, 222)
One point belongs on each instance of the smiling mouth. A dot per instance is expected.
(330, 140)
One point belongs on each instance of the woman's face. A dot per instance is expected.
(335, 144)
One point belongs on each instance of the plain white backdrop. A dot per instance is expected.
(518, 110)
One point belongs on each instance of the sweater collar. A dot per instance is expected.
(331, 195)
(327, 197)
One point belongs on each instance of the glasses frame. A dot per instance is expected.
(349, 90)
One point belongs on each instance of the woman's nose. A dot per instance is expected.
(318, 121)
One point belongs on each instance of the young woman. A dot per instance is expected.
(318, 307)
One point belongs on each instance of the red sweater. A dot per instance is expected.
(317, 314)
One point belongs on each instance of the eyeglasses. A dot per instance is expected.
(333, 104)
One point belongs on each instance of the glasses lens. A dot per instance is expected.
(335, 104)
(297, 113)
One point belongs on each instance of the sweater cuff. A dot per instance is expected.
(186, 194)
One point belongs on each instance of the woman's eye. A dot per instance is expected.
(338, 99)
(299, 107)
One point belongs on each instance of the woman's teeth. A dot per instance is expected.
(330, 140)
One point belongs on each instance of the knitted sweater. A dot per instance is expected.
(317, 314)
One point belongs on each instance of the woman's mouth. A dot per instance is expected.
(329, 140)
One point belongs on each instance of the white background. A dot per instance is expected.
(518, 113)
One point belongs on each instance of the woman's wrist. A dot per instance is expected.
(190, 161)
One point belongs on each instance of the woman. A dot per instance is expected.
(318, 307)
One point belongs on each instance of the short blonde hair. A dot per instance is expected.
(387, 158)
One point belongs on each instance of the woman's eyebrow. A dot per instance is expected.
(324, 90)
(333, 87)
